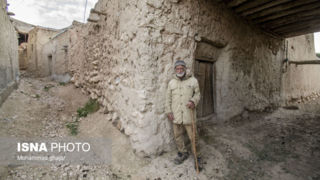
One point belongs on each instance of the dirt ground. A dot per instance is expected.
(282, 144)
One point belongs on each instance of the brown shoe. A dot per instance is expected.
(181, 157)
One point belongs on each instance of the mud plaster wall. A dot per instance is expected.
(56, 53)
(37, 38)
(302, 80)
(128, 57)
(56, 50)
(9, 63)
(23, 58)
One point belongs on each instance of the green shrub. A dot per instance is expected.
(47, 87)
(73, 127)
(90, 107)
(82, 112)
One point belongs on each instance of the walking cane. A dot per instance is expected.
(194, 140)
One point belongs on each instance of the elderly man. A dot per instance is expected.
(182, 97)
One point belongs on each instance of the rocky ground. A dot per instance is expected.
(282, 144)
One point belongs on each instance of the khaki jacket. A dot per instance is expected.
(179, 93)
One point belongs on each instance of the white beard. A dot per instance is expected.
(180, 74)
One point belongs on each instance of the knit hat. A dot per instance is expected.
(179, 63)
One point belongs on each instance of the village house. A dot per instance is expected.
(55, 53)
(22, 29)
(37, 37)
(242, 65)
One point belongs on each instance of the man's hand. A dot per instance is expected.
(170, 116)
(190, 105)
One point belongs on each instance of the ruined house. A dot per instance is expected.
(22, 29)
(37, 37)
(242, 52)
(9, 65)
(55, 53)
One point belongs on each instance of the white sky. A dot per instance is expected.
(50, 13)
(317, 41)
(60, 13)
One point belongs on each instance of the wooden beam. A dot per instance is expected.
(308, 7)
(92, 20)
(280, 8)
(297, 25)
(217, 44)
(235, 3)
(262, 7)
(10, 14)
(97, 12)
(303, 16)
(299, 32)
(203, 58)
(250, 4)
(305, 62)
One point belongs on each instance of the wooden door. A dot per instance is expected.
(204, 72)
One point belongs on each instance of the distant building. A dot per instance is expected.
(37, 37)
(56, 53)
(23, 30)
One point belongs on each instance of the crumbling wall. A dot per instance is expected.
(9, 65)
(129, 56)
(23, 58)
(56, 54)
(38, 36)
(300, 80)
(55, 57)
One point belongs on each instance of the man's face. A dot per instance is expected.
(180, 70)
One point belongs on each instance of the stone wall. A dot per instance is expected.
(9, 65)
(38, 36)
(302, 80)
(126, 60)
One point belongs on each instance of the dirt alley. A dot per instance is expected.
(279, 144)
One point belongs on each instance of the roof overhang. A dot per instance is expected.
(282, 18)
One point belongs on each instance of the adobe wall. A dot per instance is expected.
(128, 57)
(56, 50)
(9, 64)
(56, 53)
(302, 80)
(23, 57)
(38, 36)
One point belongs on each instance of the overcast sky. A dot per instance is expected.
(50, 13)
(60, 13)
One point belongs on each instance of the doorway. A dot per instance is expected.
(205, 73)
(50, 64)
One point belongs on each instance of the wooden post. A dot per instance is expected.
(97, 12)
(194, 140)
(92, 20)
(305, 62)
